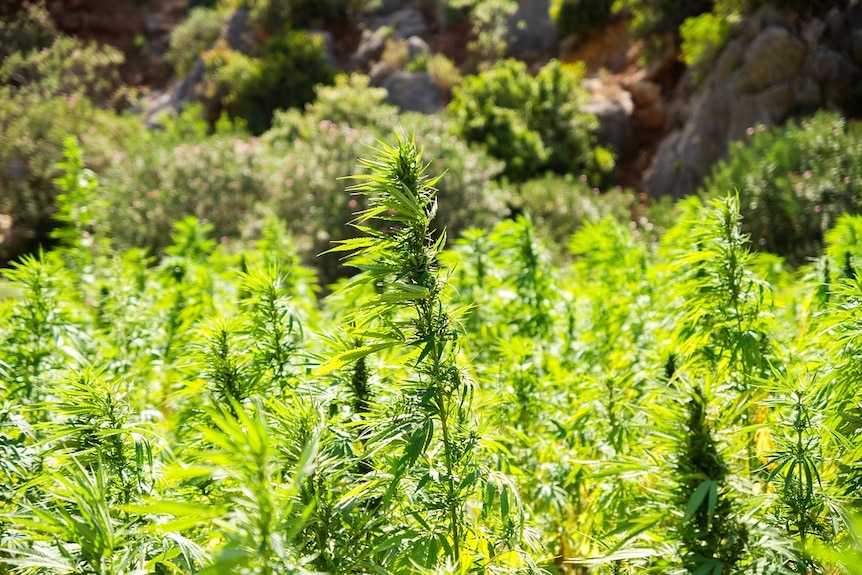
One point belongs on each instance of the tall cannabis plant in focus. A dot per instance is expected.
(424, 448)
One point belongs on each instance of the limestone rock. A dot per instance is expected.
(379, 72)
(417, 47)
(614, 113)
(414, 91)
(404, 22)
(531, 30)
(371, 45)
(774, 56)
(768, 72)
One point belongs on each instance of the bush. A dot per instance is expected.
(162, 177)
(658, 17)
(444, 72)
(33, 126)
(703, 37)
(794, 182)
(30, 29)
(533, 124)
(349, 101)
(275, 15)
(489, 20)
(46, 82)
(284, 76)
(574, 17)
(559, 206)
(67, 67)
(192, 37)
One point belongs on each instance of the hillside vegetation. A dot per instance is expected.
(270, 322)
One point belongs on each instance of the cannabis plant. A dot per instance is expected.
(431, 431)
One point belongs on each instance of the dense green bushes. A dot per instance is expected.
(794, 182)
(194, 36)
(284, 76)
(533, 124)
(579, 16)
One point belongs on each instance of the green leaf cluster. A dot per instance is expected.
(534, 124)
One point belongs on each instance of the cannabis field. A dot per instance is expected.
(653, 404)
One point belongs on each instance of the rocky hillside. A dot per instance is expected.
(775, 67)
(667, 123)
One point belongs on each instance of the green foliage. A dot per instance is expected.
(559, 206)
(284, 76)
(574, 17)
(712, 538)
(703, 37)
(657, 17)
(67, 67)
(31, 29)
(192, 37)
(45, 95)
(273, 16)
(158, 180)
(444, 72)
(310, 151)
(533, 124)
(793, 182)
(490, 23)
(350, 100)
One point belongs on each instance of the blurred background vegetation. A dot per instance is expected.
(269, 102)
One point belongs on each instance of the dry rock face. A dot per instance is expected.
(531, 30)
(614, 109)
(769, 72)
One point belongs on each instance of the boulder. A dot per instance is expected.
(417, 47)
(768, 72)
(774, 56)
(370, 48)
(531, 31)
(379, 72)
(414, 91)
(403, 23)
(614, 113)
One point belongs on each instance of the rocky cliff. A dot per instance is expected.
(774, 68)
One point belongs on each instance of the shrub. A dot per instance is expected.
(657, 17)
(703, 37)
(284, 76)
(574, 17)
(444, 72)
(274, 15)
(33, 124)
(559, 206)
(489, 20)
(30, 29)
(794, 182)
(192, 37)
(67, 67)
(349, 101)
(533, 124)
(158, 179)
(396, 53)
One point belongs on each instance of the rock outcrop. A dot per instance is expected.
(614, 109)
(769, 72)
(531, 31)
